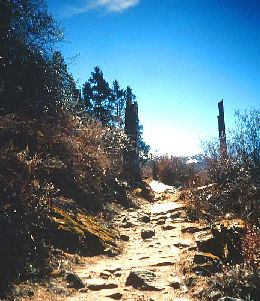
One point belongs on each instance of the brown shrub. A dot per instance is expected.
(51, 162)
(172, 170)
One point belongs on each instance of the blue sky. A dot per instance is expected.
(180, 57)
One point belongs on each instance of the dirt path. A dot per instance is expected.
(157, 244)
(154, 264)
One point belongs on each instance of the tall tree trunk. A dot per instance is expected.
(221, 130)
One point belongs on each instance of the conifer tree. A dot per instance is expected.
(118, 103)
(97, 96)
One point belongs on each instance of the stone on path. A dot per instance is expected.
(113, 269)
(127, 225)
(168, 227)
(75, 281)
(115, 296)
(147, 233)
(143, 280)
(163, 263)
(182, 243)
(105, 275)
(145, 219)
(174, 282)
(99, 284)
(124, 237)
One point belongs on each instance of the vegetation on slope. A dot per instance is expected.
(56, 174)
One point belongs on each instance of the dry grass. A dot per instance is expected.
(53, 162)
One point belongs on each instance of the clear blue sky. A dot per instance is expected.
(180, 57)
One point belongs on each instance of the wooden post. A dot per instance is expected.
(221, 130)
(132, 166)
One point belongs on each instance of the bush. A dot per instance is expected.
(232, 190)
(46, 164)
(236, 175)
(171, 170)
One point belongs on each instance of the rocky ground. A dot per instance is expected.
(158, 246)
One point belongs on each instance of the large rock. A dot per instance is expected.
(206, 264)
(143, 280)
(230, 233)
(223, 240)
(76, 230)
(208, 243)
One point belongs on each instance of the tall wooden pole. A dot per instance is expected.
(221, 130)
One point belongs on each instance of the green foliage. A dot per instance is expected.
(108, 105)
(34, 76)
(144, 148)
(118, 104)
(96, 97)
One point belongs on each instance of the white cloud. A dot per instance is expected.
(108, 5)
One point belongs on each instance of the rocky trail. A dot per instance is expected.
(157, 240)
(150, 267)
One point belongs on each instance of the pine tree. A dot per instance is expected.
(118, 103)
(97, 97)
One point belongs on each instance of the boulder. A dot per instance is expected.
(208, 243)
(224, 239)
(206, 264)
(76, 230)
(127, 225)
